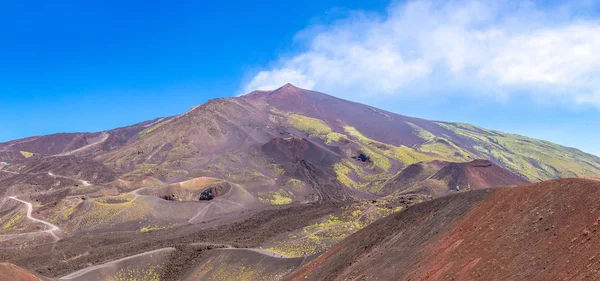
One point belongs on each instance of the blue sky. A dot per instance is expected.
(522, 67)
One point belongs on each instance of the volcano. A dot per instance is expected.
(292, 183)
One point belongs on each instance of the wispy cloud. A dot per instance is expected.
(501, 49)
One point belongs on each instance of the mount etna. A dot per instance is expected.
(293, 184)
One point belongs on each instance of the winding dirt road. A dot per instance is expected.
(85, 183)
(84, 271)
(2, 169)
(262, 252)
(53, 227)
(103, 138)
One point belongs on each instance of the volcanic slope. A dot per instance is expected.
(409, 140)
(11, 272)
(542, 231)
(361, 146)
(319, 162)
(74, 143)
(477, 174)
(439, 178)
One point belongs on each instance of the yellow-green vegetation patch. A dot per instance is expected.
(26, 244)
(296, 186)
(151, 129)
(446, 149)
(119, 199)
(403, 154)
(342, 171)
(315, 127)
(27, 154)
(334, 137)
(310, 125)
(148, 273)
(408, 155)
(368, 182)
(379, 155)
(65, 215)
(422, 133)
(276, 169)
(239, 272)
(279, 197)
(378, 151)
(91, 214)
(377, 159)
(154, 227)
(537, 160)
(320, 236)
(12, 222)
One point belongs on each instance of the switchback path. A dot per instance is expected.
(95, 267)
(53, 227)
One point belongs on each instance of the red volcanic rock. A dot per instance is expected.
(478, 174)
(440, 177)
(11, 272)
(292, 146)
(542, 231)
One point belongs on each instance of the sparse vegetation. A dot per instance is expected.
(279, 197)
(309, 125)
(27, 154)
(320, 236)
(537, 160)
(422, 133)
(12, 222)
(148, 273)
(153, 227)
(151, 129)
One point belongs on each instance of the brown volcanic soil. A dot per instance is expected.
(73, 167)
(437, 178)
(11, 272)
(32, 175)
(390, 127)
(251, 230)
(412, 174)
(543, 231)
(240, 264)
(311, 163)
(191, 190)
(65, 142)
(479, 173)
(237, 140)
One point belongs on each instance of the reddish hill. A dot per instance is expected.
(11, 272)
(543, 231)
(438, 178)
(478, 173)
(411, 175)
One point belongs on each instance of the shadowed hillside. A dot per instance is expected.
(543, 231)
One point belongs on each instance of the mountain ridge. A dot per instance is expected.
(253, 119)
(285, 174)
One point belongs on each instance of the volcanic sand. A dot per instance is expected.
(543, 231)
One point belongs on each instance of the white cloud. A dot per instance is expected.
(427, 47)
